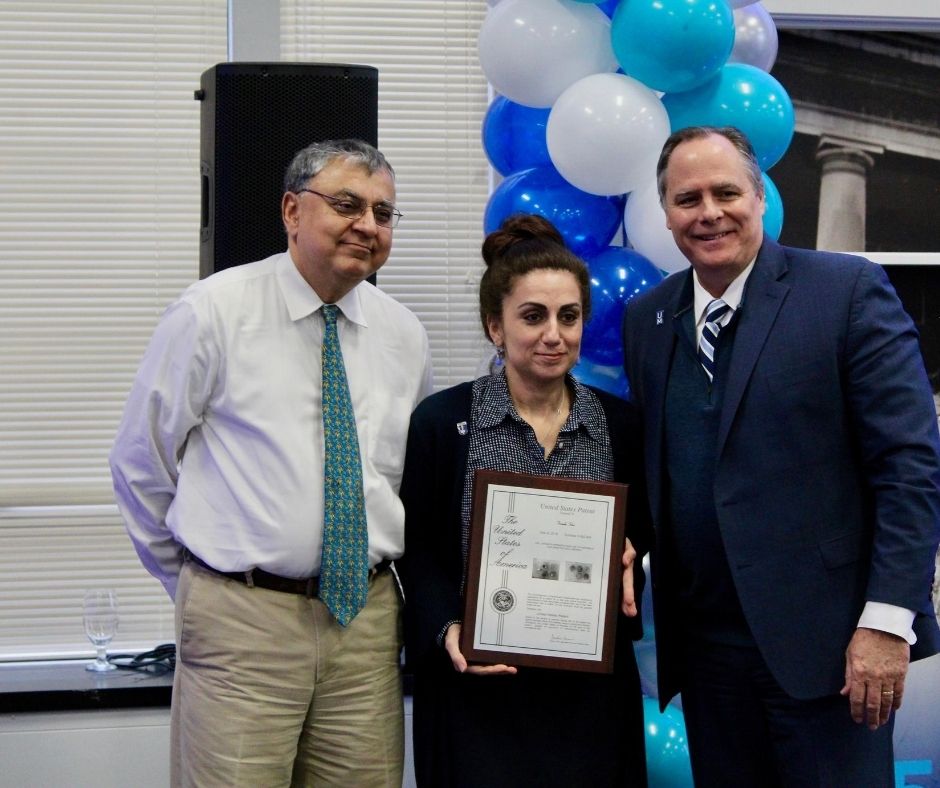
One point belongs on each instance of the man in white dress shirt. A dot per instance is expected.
(218, 470)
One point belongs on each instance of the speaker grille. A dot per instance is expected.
(255, 117)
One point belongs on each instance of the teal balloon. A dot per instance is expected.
(672, 45)
(773, 215)
(743, 96)
(587, 222)
(617, 275)
(610, 378)
(667, 748)
(514, 136)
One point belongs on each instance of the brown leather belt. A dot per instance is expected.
(307, 587)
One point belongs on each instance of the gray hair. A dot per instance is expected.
(311, 160)
(734, 136)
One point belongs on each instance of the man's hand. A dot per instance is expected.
(452, 646)
(875, 667)
(628, 603)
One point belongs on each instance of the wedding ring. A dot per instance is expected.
(887, 692)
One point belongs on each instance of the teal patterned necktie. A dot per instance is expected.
(344, 570)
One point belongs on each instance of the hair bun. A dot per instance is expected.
(516, 229)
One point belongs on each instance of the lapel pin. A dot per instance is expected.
(659, 317)
(461, 428)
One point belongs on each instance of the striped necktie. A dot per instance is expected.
(714, 313)
(344, 570)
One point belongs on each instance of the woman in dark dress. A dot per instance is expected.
(487, 726)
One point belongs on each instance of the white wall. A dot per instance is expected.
(106, 748)
(906, 15)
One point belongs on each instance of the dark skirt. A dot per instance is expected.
(538, 728)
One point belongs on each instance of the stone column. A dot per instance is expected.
(841, 225)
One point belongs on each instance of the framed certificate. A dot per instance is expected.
(544, 571)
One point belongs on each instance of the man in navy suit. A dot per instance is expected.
(793, 467)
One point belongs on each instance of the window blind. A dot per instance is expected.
(99, 213)
(432, 99)
(99, 220)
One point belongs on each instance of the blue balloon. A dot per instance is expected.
(672, 45)
(587, 222)
(646, 604)
(667, 748)
(773, 215)
(645, 652)
(617, 275)
(743, 96)
(514, 136)
(611, 379)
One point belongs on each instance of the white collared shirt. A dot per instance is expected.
(230, 386)
(732, 297)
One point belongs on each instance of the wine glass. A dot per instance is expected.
(101, 623)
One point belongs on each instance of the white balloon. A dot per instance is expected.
(605, 132)
(645, 223)
(531, 50)
(755, 37)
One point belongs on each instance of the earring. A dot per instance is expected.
(500, 352)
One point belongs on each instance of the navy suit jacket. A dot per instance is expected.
(827, 464)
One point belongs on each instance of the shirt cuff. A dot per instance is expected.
(889, 618)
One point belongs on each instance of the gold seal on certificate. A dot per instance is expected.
(544, 571)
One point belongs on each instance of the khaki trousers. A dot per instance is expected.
(270, 691)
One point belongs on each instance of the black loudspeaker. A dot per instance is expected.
(254, 118)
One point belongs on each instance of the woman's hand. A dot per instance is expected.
(628, 603)
(452, 646)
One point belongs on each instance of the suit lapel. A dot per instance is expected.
(661, 344)
(764, 296)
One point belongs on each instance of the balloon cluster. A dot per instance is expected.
(588, 92)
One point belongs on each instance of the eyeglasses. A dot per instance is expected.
(350, 208)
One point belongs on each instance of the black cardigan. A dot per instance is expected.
(431, 490)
